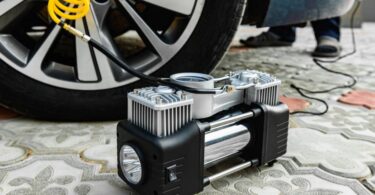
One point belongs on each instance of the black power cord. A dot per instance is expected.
(319, 62)
(150, 79)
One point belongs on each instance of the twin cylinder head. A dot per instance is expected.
(162, 111)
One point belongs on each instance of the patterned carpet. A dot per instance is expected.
(330, 154)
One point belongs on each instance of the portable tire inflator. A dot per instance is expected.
(171, 136)
(189, 122)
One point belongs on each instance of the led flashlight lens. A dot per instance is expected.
(131, 164)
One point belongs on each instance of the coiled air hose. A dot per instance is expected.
(62, 10)
(77, 9)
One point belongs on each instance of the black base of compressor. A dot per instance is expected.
(175, 164)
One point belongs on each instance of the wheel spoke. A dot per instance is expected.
(7, 5)
(161, 47)
(11, 10)
(37, 59)
(86, 69)
(85, 64)
(184, 7)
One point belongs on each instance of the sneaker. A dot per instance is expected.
(327, 47)
(266, 39)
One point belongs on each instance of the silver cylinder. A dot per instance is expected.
(225, 142)
(231, 120)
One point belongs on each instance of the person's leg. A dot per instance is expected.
(275, 36)
(327, 33)
(327, 27)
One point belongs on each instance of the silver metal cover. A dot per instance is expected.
(265, 89)
(159, 110)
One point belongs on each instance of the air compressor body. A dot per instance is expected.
(171, 137)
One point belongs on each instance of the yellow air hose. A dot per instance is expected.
(62, 10)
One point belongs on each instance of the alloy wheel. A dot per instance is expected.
(145, 34)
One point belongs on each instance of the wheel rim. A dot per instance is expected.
(154, 30)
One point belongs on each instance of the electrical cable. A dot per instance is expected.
(149, 79)
(59, 12)
(299, 90)
(319, 62)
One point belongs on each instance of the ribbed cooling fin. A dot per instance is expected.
(160, 114)
(265, 91)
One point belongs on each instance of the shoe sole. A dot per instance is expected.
(274, 44)
(325, 55)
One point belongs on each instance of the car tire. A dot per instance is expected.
(204, 49)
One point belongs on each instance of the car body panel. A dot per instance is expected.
(284, 12)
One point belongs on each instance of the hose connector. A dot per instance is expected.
(76, 33)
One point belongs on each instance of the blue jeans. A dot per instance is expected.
(327, 27)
